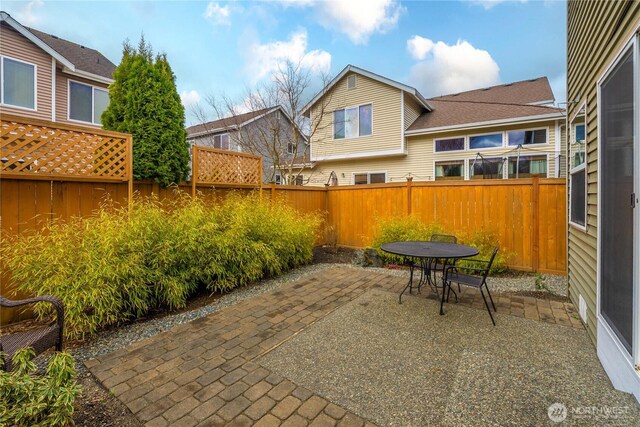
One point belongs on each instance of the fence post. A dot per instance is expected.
(409, 185)
(535, 211)
(194, 165)
(273, 191)
(130, 171)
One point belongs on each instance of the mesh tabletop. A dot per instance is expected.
(421, 249)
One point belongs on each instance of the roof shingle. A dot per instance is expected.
(523, 92)
(225, 123)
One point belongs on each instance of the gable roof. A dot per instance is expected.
(533, 91)
(235, 122)
(351, 68)
(75, 58)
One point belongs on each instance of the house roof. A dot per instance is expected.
(351, 68)
(76, 59)
(511, 102)
(84, 58)
(226, 123)
(533, 91)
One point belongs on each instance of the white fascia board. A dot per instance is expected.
(5, 17)
(526, 119)
(359, 155)
(87, 75)
(411, 90)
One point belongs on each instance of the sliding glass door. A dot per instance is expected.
(617, 175)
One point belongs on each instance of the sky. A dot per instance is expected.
(221, 48)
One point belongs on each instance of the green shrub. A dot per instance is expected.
(411, 228)
(120, 264)
(27, 399)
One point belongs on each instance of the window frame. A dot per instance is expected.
(579, 168)
(357, 107)
(35, 84)
(502, 133)
(546, 142)
(291, 148)
(463, 177)
(369, 173)
(220, 135)
(502, 177)
(355, 81)
(465, 144)
(93, 100)
(530, 156)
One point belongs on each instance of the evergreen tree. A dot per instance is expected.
(144, 102)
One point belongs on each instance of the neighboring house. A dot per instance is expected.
(45, 77)
(377, 130)
(269, 133)
(603, 78)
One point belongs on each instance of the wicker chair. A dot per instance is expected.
(40, 339)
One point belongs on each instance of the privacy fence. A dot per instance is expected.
(52, 172)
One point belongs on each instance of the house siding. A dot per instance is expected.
(411, 110)
(62, 96)
(596, 32)
(420, 160)
(15, 45)
(386, 122)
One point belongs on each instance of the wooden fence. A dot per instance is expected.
(55, 172)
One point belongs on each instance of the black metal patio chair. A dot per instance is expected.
(434, 265)
(478, 280)
(40, 339)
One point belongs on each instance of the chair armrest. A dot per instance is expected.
(57, 304)
(469, 269)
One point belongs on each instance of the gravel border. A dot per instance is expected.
(107, 341)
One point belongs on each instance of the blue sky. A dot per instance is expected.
(223, 47)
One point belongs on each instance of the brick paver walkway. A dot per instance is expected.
(203, 372)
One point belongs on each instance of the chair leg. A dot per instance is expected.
(494, 306)
(488, 309)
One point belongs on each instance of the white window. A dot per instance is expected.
(352, 122)
(86, 102)
(221, 141)
(527, 166)
(351, 82)
(450, 144)
(578, 171)
(485, 141)
(18, 83)
(291, 148)
(450, 170)
(369, 178)
(487, 168)
(278, 179)
(299, 180)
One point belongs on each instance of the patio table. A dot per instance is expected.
(425, 251)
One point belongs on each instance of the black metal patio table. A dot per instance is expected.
(425, 251)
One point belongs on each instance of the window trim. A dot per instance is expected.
(355, 81)
(357, 106)
(546, 142)
(463, 177)
(465, 144)
(369, 173)
(505, 170)
(486, 148)
(93, 106)
(289, 145)
(579, 168)
(35, 84)
(221, 135)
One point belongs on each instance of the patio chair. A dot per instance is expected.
(435, 266)
(40, 339)
(478, 280)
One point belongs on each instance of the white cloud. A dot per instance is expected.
(264, 59)
(489, 4)
(450, 68)
(27, 15)
(419, 47)
(189, 98)
(219, 15)
(359, 19)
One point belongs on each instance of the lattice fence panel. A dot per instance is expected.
(227, 167)
(30, 148)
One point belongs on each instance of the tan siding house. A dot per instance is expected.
(502, 132)
(604, 180)
(54, 65)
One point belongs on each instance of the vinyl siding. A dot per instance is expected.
(411, 110)
(62, 99)
(420, 160)
(14, 45)
(386, 123)
(596, 31)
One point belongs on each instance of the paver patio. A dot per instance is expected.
(284, 358)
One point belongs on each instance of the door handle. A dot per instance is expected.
(633, 200)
